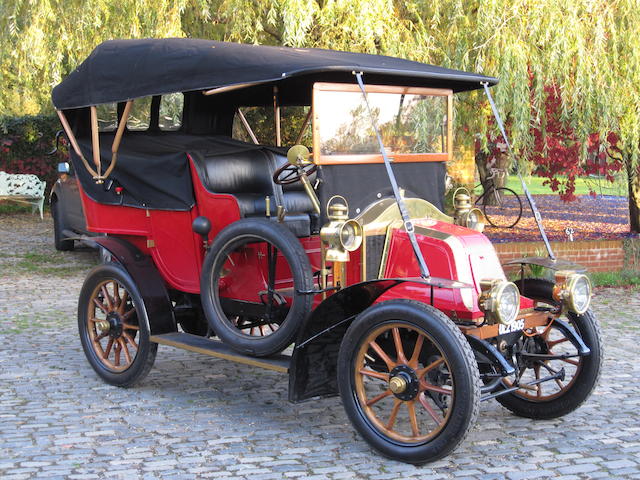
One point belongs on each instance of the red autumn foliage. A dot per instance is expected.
(24, 144)
(557, 152)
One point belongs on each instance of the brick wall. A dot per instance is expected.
(595, 255)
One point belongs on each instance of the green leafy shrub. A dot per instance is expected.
(24, 143)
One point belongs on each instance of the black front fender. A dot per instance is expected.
(314, 364)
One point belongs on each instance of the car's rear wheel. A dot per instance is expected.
(580, 374)
(408, 380)
(60, 242)
(113, 326)
(251, 286)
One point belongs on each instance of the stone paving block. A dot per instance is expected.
(58, 420)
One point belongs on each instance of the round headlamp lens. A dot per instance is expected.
(508, 304)
(475, 220)
(350, 235)
(580, 292)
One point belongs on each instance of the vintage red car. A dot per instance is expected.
(338, 267)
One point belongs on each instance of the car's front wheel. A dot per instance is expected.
(408, 380)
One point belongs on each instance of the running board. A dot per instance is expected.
(215, 348)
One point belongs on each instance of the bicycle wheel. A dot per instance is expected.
(502, 207)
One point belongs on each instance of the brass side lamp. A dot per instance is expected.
(342, 235)
(466, 215)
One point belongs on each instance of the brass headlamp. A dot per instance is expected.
(500, 300)
(573, 290)
(466, 215)
(341, 234)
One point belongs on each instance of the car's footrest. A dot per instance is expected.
(215, 348)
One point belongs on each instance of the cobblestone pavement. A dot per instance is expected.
(201, 417)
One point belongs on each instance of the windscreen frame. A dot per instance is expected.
(366, 158)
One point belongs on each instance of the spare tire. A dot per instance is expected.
(250, 284)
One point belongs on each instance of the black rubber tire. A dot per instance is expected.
(146, 354)
(587, 377)
(289, 246)
(502, 191)
(59, 241)
(459, 355)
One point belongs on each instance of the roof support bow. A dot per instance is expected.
(95, 142)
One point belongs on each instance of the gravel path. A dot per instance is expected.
(199, 417)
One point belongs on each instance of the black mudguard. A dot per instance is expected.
(148, 280)
(314, 364)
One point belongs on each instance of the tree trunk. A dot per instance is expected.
(486, 161)
(481, 164)
(634, 195)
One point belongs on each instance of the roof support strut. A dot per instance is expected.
(247, 127)
(404, 213)
(95, 142)
(276, 116)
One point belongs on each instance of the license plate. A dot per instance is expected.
(514, 327)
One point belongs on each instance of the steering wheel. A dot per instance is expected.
(288, 173)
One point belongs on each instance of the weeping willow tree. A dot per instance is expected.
(41, 41)
(587, 50)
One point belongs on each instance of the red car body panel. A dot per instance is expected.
(451, 252)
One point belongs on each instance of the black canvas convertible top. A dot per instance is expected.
(120, 70)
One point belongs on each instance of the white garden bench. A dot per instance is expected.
(23, 188)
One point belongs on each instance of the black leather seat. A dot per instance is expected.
(248, 176)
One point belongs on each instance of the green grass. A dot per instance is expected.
(624, 278)
(20, 324)
(8, 207)
(583, 186)
(11, 208)
(55, 263)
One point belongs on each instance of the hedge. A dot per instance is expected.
(24, 143)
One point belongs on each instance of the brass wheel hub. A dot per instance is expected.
(103, 326)
(404, 383)
(397, 384)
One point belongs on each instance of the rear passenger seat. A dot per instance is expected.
(248, 176)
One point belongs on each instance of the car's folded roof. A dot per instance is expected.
(120, 70)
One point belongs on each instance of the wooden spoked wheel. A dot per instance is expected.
(403, 383)
(547, 340)
(576, 375)
(408, 380)
(112, 325)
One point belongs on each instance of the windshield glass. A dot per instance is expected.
(409, 123)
